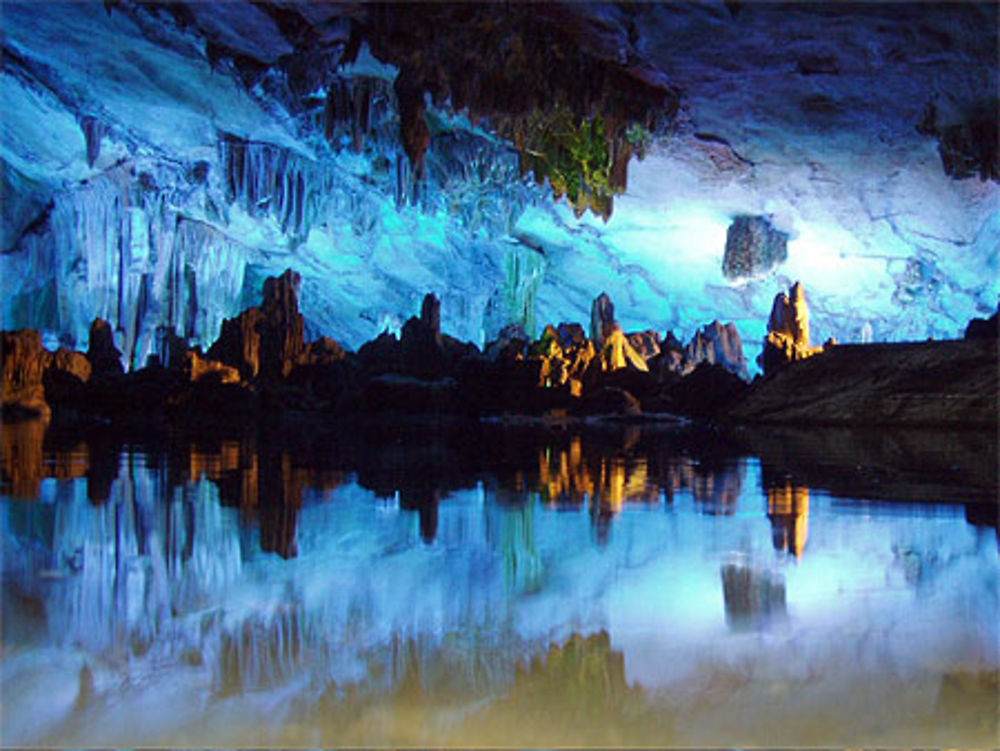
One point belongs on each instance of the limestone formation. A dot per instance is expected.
(715, 344)
(753, 247)
(381, 354)
(510, 344)
(647, 343)
(564, 353)
(323, 351)
(265, 343)
(282, 332)
(238, 344)
(24, 361)
(609, 340)
(718, 344)
(105, 358)
(197, 369)
(984, 328)
(602, 318)
(617, 353)
(71, 362)
(421, 348)
(788, 330)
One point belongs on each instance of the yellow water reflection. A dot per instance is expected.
(788, 512)
(24, 463)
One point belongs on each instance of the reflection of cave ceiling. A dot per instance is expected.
(160, 160)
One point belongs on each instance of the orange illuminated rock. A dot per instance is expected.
(24, 361)
(606, 333)
(268, 341)
(617, 353)
(788, 330)
(72, 362)
(198, 368)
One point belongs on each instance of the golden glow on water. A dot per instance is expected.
(788, 510)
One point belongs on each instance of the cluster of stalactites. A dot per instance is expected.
(577, 125)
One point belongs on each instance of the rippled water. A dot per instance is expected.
(499, 586)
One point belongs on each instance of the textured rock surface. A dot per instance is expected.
(24, 364)
(602, 318)
(753, 248)
(160, 162)
(916, 383)
(198, 369)
(265, 342)
(788, 330)
(719, 344)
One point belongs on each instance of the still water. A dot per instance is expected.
(483, 585)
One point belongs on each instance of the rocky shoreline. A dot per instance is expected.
(261, 369)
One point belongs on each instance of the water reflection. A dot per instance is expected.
(788, 512)
(421, 586)
(754, 596)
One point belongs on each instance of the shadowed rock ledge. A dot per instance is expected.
(910, 383)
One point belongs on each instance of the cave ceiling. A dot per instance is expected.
(161, 159)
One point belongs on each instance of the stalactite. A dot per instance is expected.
(93, 131)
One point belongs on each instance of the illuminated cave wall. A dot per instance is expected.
(157, 165)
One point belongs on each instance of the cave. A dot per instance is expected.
(575, 343)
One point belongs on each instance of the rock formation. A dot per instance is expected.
(715, 344)
(33, 377)
(265, 343)
(617, 353)
(647, 343)
(609, 340)
(421, 346)
(24, 363)
(602, 318)
(718, 344)
(197, 368)
(71, 362)
(564, 353)
(984, 328)
(900, 383)
(753, 247)
(105, 358)
(238, 344)
(282, 332)
(788, 330)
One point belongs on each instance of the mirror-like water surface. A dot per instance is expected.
(512, 587)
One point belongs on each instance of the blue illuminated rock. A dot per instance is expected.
(753, 247)
(157, 187)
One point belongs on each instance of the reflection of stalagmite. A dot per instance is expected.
(608, 482)
(716, 488)
(788, 511)
(261, 481)
(25, 461)
(752, 596)
(281, 492)
(425, 501)
(21, 454)
(564, 475)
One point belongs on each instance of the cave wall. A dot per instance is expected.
(159, 162)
